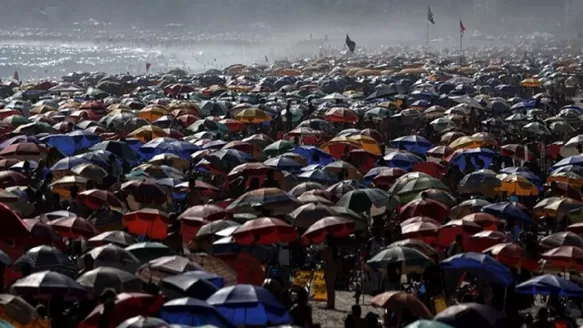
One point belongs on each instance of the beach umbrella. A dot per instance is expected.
(507, 211)
(42, 258)
(413, 143)
(185, 285)
(264, 231)
(318, 176)
(193, 312)
(102, 278)
(559, 239)
(17, 311)
(472, 315)
(113, 256)
(118, 148)
(74, 227)
(25, 151)
(162, 267)
(45, 284)
(264, 201)
(536, 128)
(211, 228)
(328, 226)
(484, 220)
(343, 170)
(480, 265)
(147, 222)
(95, 198)
(283, 163)
(549, 284)
(126, 305)
(479, 182)
(278, 148)
(396, 302)
(249, 305)
(411, 258)
(486, 239)
(252, 116)
(149, 250)
(120, 238)
(417, 244)
(518, 185)
(438, 195)
(424, 207)
(565, 257)
(512, 255)
(363, 200)
(408, 190)
(468, 207)
(145, 191)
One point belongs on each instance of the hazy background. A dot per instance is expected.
(51, 37)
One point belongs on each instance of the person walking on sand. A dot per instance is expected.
(330, 269)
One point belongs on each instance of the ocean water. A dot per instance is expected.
(39, 54)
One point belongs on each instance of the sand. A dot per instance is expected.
(335, 318)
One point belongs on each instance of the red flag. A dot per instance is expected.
(148, 65)
(462, 27)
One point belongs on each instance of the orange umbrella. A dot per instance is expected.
(147, 222)
(330, 225)
(264, 231)
(248, 268)
(565, 257)
(513, 255)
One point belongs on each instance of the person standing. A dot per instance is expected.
(330, 270)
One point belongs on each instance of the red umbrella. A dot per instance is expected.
(24, 151)
(376, 135)
(6, 163)
(208, 212)
(187, 119)
(440, 152)
(44, 234)
(435, 170)
(96, 198)
(576, 228)
(330, 225)
(485, 220)
(264, 231)
(513, 255)
(341, 115)
(517, 151)
(243, 146)
(425, 231)
(147, 222)
(126, 306)
(387, 177)
(485, 239)
(145, 191)
(416, 219)
(449, 231)
(424, 207)
(12, 178)
(233, 125)
(565, 257)
(74, 228)
(559, 239)
(172, 133)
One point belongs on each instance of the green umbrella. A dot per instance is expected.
(378, 113)
(138, 175)
(208, 125)
(410, 189)
(16, 120)
(402, 180)
(479, 183)
(148, 251)
(362, 200)
(34, 128)
(278, 148)
(427, 324)
(536, 128)
(296, 112)
(561, 127)
(411, 258)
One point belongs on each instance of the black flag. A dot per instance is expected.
(351, 44)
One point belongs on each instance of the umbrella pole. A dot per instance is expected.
(504, 302)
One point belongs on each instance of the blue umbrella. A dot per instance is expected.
(249, 305)
(192, 312)
(402, 160)
(160, 146)
(84, 139)
(283, 163)
(68, 163)
(571, 160)
(549, 284)
(120, 149)
(480, 265)
(507, 211)
(210, 277)
(415, 144)
(64, 143)
(527, 104)
(101, 158)
(320, 176)
(486, 155)
(134, 144)
(314, 155)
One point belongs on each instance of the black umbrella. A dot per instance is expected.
(472, 315)
(187, 285)
(106, 277)
(43, 258)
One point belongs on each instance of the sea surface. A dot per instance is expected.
(40, 54)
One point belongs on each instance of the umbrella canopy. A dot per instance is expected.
(102, 278)
(126, 306)
(193, 312)
(472, 315)
(549, 284)
(411, 258)
(45, 284)
(481, 265)
(42, 258)
(249, 305)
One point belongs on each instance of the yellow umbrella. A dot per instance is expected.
(152, 113)
(90, 171)
(530, 83)
(367, 143)
(518, 185)
(562, 206)
(252, 115)
(171, 160)
(42, 109)
(487, 139)
(147, 133)
(571, 178)
(63, 185)
(466, 143)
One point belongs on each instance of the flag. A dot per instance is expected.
(148, 65)
(430, 15)
(462, 28)
(266, 59)
(350, 44)
(15, 76)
